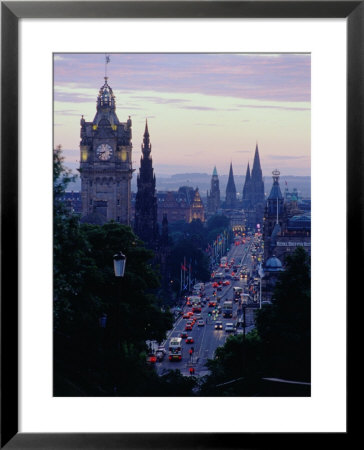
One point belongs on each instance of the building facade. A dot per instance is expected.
(182, 205)
(286, 227)
(106, 163)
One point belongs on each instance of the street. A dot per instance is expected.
(206, 338)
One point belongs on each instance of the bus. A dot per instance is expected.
(175, 349)
(227, 309)
(195, 301)
(223, 261)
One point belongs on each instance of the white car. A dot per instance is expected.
(200, 323)
(229, 327)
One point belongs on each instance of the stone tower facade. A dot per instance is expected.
(230, 199)
(213, 198)
(146, 225)
(106, 163)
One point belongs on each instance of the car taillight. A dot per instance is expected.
(170, 358)
(179, 357)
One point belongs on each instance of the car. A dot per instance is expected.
(229, 328)
(200, 323)
(152, 359)
(188, 327)
(226, 283)
(218, 325)
(184, 334)
(186, 316)
(212, 303)
(236, 278)
(214, 285)
(190, 340)
(220, 288)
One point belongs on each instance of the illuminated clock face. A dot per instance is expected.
(104, 152)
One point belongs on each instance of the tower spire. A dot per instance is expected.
(231, 189)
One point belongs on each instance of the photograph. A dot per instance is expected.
(181, 224)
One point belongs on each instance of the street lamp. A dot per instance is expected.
(119, 270)
(261, 275)
(119, 264)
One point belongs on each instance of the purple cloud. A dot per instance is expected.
(285, 77)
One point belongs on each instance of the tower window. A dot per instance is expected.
(90, 201)
(118, 219)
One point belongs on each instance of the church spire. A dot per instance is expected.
(231, 183)
(146, 146)
(256, 171)
(231, 189)
(247, 176)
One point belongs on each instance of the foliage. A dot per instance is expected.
(90, 359)
(284, 326)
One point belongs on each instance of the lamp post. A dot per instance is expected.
(119, 270)
(119, 264)
(261, 275)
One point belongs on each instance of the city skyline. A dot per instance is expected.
(202, 109)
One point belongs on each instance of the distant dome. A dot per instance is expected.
(273, 264)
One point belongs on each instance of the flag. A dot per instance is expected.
(183, 267)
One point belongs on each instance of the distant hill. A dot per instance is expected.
(203, 180)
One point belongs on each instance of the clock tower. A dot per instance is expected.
(105, 163)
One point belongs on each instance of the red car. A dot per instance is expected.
(184, 334)
(189, 340)
(214, 285)
(188, 327)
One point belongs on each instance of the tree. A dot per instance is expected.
(284, 326)
(94, 357)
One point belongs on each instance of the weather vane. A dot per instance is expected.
(107, 60)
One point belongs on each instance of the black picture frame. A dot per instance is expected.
(11, 12)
